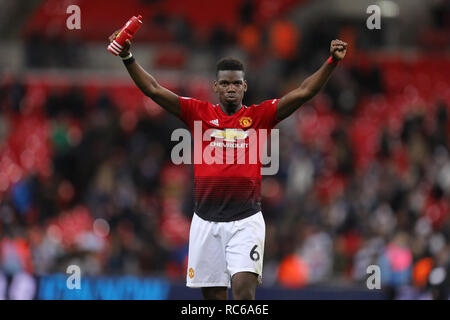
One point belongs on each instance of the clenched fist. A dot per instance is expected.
(126, 47)
(338, 49)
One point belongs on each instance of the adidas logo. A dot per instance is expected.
(215, 122)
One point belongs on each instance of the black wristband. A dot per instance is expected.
(128, 61)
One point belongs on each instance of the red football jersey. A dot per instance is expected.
(227, 156)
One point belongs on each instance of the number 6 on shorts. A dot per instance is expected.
(254, 255)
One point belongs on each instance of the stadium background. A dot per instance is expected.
(85, 172)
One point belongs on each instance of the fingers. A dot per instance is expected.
(338, 48)
(338, 42)
(126, 48)
(338, 45)
(113, 36)
(127, 45)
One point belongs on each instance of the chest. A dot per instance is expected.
(244, 119)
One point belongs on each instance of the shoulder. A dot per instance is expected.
(263, 106)
(265, 103)
(194, 101)
(194, 109)
(265, 113)
(190, 100)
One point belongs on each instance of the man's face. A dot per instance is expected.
(230, 86)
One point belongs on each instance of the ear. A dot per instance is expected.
(215, 84)
(245, 86)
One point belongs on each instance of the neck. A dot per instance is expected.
(230, 109)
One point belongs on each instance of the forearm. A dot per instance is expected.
(151, 88)
(312, 85)
(308, 89)
(146, 83)
(143, 80)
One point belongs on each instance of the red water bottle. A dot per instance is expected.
(126, 33)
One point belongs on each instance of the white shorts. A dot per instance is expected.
(218, 250)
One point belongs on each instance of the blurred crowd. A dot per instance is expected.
(364, 173)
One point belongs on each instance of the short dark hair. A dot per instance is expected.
(229, 64)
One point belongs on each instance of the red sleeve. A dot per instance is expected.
(269, 113)
(189, 110)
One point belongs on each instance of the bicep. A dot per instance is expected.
(166, 99)
(291, 102)
(151, 88)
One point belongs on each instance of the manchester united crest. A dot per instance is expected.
(245, 122)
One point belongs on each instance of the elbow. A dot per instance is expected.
(306, 94)
(150, 91)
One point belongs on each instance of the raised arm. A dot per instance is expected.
(311, 85)
(146, 83)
